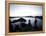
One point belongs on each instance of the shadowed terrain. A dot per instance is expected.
(25, 24)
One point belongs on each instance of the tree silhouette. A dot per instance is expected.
(35, 28)
(29, 25)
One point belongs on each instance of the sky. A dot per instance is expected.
(25, 10)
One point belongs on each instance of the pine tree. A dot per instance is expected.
(29, 25)
(35, 28)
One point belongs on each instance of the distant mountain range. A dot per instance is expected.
(40, 17)
(19, 20)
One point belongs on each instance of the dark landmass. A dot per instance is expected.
(20, 25)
